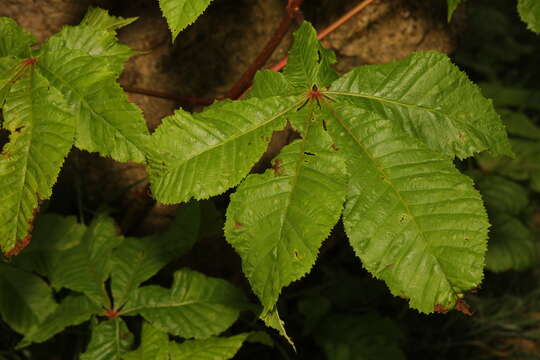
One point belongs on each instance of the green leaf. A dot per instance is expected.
(517, 123)
(96, 37)
(309, 62)
(215, 348)
(273, 222)
(411, 217)
(25, 299)
(52, 234)
(155, 345)
(110, 341)
(73, 310)
(100, 19)
(181, 13)
(452, 6)
(267, 83)
(511, 245)
(529, 11)
(15, 41)
(502, 195)
(271, 318)
(195, 306)
(138, 259)
(524, 166)
(11, 69)
(42, 133)
(511, 96)
(153, 342)
(429, 98)
(352, 337)
(106, 121)
(85, 267)
(202, 155)
(429, 216)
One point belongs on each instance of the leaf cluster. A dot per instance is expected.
(104, 273)
(374, 148)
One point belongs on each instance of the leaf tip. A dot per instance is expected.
(25, 241)
(19, 246)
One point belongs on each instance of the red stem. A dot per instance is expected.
(243, 84)
(328, 30)
(292, 10)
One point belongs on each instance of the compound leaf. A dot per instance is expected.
(273, 222)
(110, 341)
(181, 13)
(138, 259)
(202, 155)
(411, 217)
(85, 267)
(42, 133)
(196, 306)
(529, 11)
(429, 98)
(25, 299)
(73, 310)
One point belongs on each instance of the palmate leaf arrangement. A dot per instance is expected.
(375, 147)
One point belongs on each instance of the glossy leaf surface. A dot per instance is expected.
(412, 218)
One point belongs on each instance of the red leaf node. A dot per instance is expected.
(29, 61)
(111, 314)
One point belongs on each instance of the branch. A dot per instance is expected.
(332, 27)
(292, 11)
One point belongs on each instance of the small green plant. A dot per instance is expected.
(87, 259)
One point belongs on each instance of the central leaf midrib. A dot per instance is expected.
(142, 256)
(394, 189)
(172, 305)
(296, 176)
(82, 99)
(403, 104)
